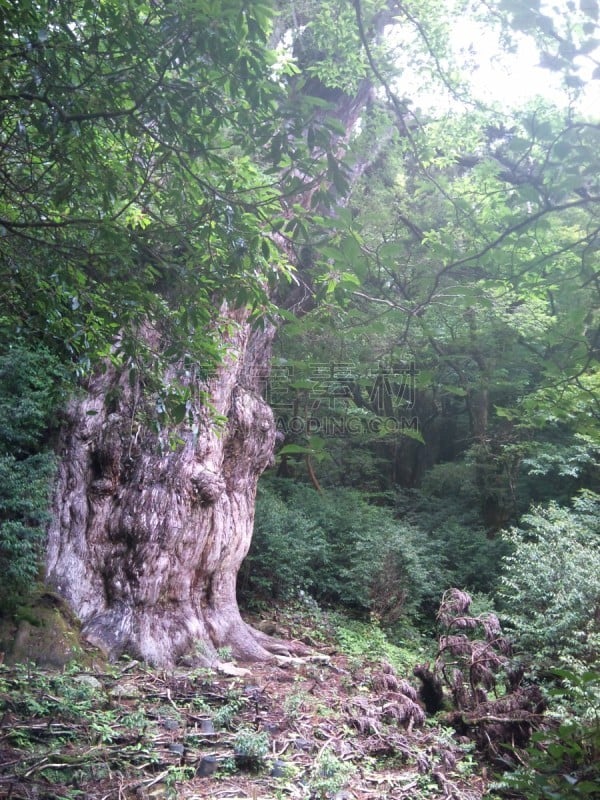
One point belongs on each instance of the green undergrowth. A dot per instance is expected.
(361, 640)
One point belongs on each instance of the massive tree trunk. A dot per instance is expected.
(149, 529)
(149, 533)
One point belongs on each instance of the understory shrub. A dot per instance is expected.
(339, 549)
(451, 524)
(563, 759)
(29, 385)
(362, 640)
(557, 468)
(24, 490)
(551, 583)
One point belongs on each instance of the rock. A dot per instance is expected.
(290, 661)
(303, 745)
(207, 727)
(208, 766)
(278, 769)
(319, 658)
(44, 632)
(88, 680)
(271, 728)
(268, 626)
(229, 668)
(124, 690)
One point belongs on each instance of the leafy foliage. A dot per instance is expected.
(339, 549)
(328, 776)
(559, 465)
(250, 748)
(472, 240)
(562, 760)
(447, 510)
(28, 398)
(551, 582)
(367, 640)
(24, 496)
(146, 151)
(30, 388)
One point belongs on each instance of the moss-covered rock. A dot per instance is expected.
(44, 631)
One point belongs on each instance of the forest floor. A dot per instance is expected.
(336, 724)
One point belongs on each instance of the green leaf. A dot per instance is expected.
(294, 449)
(177, 412)
(562, 149)
(587, 788)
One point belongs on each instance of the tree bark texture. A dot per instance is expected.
(147, 537)
(147, 540)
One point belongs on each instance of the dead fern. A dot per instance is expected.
(472, 656)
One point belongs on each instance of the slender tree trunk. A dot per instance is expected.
(148, 535)
(478, 409)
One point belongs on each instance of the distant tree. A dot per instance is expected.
(469, 255)
(29, 385)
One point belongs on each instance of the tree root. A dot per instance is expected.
(249, 644)
(279, 647)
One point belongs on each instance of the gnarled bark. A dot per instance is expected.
(147, 540)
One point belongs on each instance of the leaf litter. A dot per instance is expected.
(130, 732)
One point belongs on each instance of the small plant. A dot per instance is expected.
(329, 775)
(136, 720)
(292, 705)
(250, 748)
(224, 716)
(227, 767)
(367, 640)
(200, 649)
(283, 770)
(175, 775)
(199, 703)
(200, 674)
(467, 766)
(224, 654)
